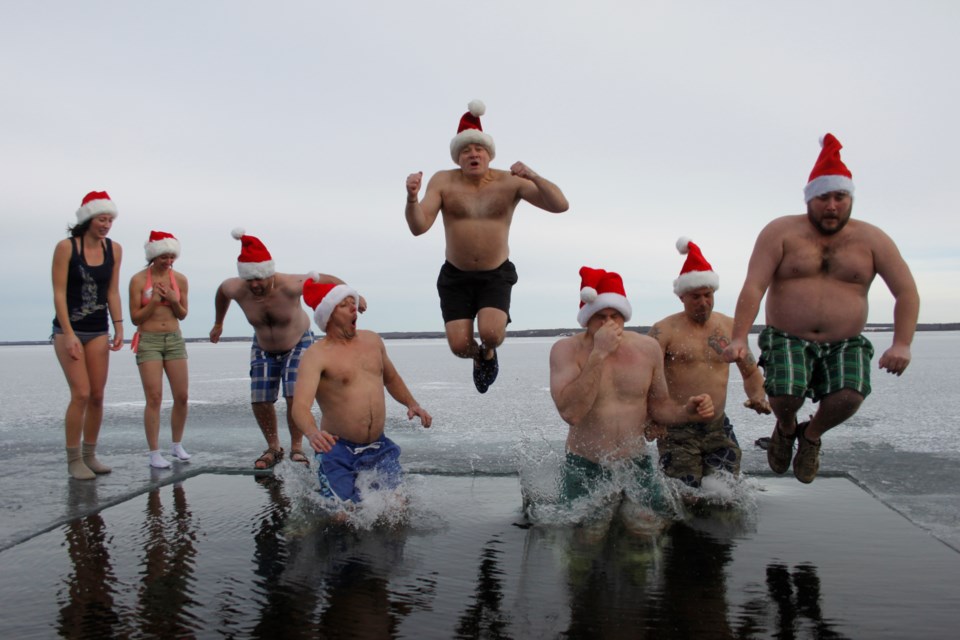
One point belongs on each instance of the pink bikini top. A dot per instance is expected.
(148, 290)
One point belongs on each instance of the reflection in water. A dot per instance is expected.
(87, 607)
(484, 618)
(324, 580)
(168, 567)
(796, 598)
(284, 608)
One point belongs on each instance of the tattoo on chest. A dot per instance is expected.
(718, 342)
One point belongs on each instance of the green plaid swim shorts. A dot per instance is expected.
(796, 367)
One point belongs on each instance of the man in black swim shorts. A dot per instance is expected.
(477, 204)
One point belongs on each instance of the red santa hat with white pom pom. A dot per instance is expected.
(600, 290)
(324, 298)
(254, 261)
(829, 173)
(470, 131)
(696, 271)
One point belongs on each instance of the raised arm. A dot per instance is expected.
(574, 388)
(422, 215)
(906, 310)
(539, 191)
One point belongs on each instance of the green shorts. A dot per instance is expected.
(796, 367)
(644, 486)
(161, 346)
(690, 451)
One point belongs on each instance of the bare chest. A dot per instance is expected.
(491, 202)
(833, 259)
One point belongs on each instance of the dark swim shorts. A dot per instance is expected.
(637, 479)
(464, 293)
(690, 451)
(796, 367)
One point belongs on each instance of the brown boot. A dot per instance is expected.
(76, 467)
(807, 461)
(780, 450)
(90, 459)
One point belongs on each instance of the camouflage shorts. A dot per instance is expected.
(690, 451)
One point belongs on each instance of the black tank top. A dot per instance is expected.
(87, 289)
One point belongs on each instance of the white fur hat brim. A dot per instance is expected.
(694, 280)
(335, 296)
(96, 208)
(256, 270)
(605, 301)
(471, 136)
(167, 246)
(825, 184)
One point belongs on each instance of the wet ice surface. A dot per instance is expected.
(242, 556)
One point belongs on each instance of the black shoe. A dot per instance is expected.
(485, 372)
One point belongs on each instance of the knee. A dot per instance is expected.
(462, 346)
(491, 338)
(180, 398)
(95, 399)
(80, 397)
(154, 398)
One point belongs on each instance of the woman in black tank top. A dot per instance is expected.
(86, 270)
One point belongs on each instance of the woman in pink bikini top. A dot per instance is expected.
(158, 302)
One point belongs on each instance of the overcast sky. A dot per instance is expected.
(299, 121)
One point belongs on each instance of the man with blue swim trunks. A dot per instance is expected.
(346, 372)
(271, 303)
(606, 384)
(816, 271)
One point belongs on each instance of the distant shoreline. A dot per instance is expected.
(529, 333)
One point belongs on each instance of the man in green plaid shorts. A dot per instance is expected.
(816, 270)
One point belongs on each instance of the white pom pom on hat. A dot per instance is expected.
(470, 131)
(324, 298)
(696, 271)
(254, 261)
(600, 289)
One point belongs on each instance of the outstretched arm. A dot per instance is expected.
(767, 253)
(221, 302)
(539, 191)
(398, 390)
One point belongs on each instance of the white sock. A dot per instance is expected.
(178, 452)
(157, 461)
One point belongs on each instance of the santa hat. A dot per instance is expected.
(696, 271)
(95, 203)
(829, 173)
(470, 131)
(254, 261)
(600, 290)
(324, 298)
(161, 243)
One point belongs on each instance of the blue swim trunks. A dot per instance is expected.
(338, 469)
(268, 370)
